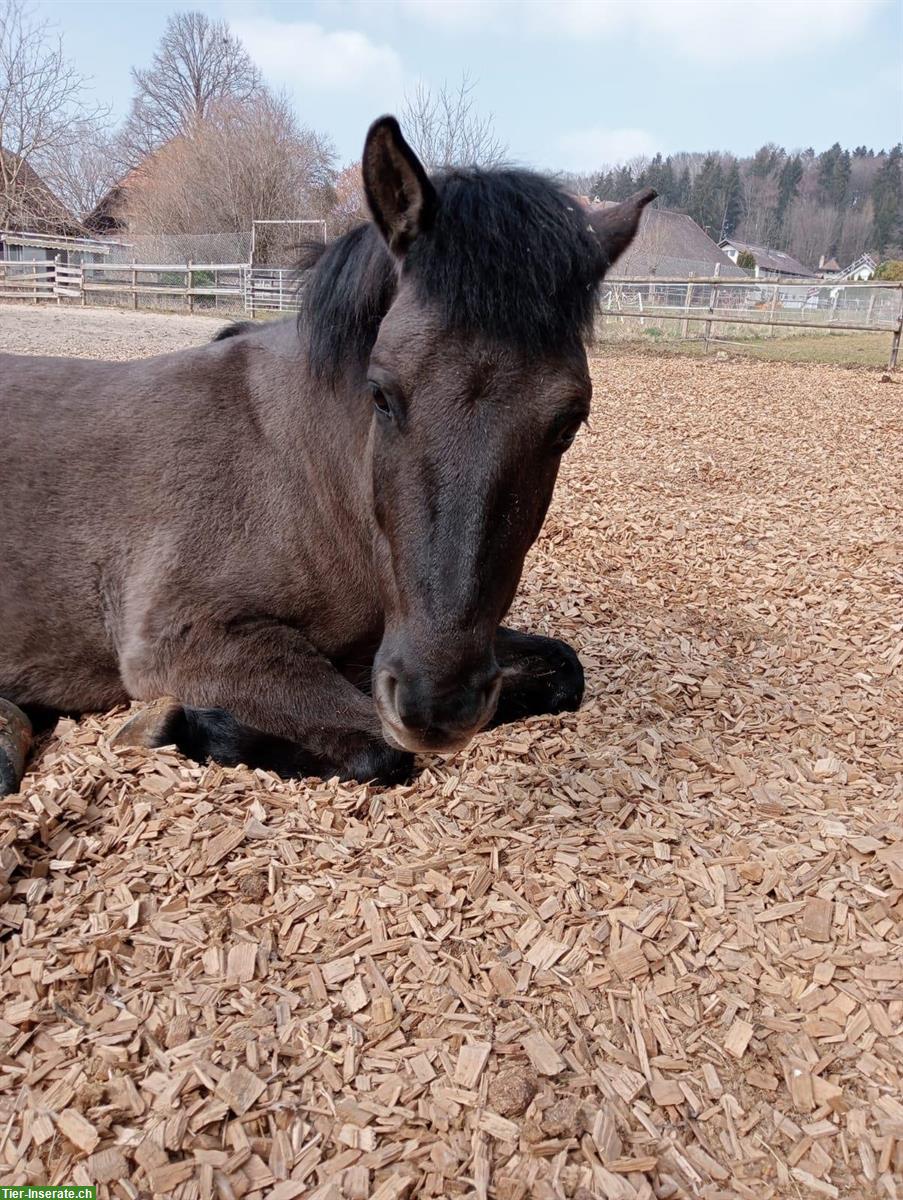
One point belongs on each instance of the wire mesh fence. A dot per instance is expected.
(179, 248)
(872, 305)
(721, 309)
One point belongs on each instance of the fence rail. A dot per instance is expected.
(721, 306)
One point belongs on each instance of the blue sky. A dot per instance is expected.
(571, 83)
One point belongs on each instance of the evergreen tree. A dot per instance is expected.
(733, 200)
(707, 197)
(624, 184)
(833, 175)
(887, 197)
(788, 184)
(682, 191)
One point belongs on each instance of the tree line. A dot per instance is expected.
(839, 203)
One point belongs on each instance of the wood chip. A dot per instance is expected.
(239, 1089)
(542, 1054)
(818, 917)
(738, 1038)
(78, 1130)
(472, 1058)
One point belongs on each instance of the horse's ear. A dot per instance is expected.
(399, 193)
(616, 225)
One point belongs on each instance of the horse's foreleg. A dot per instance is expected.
(539, 675)
(15, 739)
(261, 694)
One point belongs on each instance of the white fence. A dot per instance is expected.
(713, 309)
(725, 308)
(230, 287)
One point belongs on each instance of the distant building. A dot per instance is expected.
(770, 264)
(828, 268)
(38, 226)
(671, 244)
(862, 268)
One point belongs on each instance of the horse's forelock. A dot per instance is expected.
(508, 256)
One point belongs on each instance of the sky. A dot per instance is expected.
(571, 84)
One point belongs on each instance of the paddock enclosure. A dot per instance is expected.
(650, 949)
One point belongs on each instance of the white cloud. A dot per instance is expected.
(304, 55)
(724, 32)
(585, 149)
(453, 15)
(735, 30)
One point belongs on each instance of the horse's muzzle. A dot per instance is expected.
(426, 719)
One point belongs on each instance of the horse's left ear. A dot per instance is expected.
(399, 193)
(616, 225)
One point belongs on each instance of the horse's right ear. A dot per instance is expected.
(399, 193)
(615, 225)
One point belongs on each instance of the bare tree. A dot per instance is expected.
(810, 230)
(82, 171)
(197, 64)
(446, 130)
(350, 207)
(42, 108)
(244, 161)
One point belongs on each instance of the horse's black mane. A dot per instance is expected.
(509, 256)
(234, 330)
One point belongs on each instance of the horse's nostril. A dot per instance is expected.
(391, 686)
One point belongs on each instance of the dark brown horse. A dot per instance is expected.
(309, 535)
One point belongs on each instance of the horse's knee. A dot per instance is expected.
(212, 734)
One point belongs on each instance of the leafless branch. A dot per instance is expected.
(43, 111)
(446, 130)
(197, 64)
(244, 161)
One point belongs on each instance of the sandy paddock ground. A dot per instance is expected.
(650, 949)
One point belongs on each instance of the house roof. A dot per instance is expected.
(35, 209)
(830, 264)
(672, 244)
(109, 214)
(771, 260)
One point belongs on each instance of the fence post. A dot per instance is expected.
(134, 287)
(774, 300)
(895, 341)
(189, 284)
(712, 300)
(868, 315)
(56, 269)
(685, 324)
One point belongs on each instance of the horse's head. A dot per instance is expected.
(478, 383)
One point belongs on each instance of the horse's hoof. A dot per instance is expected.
(379, 763)
(145, 726)
(15, 739)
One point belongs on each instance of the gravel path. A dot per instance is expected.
(99, 333)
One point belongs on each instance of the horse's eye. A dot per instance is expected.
(380, 403)
(565, 437)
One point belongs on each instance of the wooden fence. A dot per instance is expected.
(724, 306)
(718, 305)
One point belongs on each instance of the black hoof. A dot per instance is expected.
(568, 683)
(378, 763)
(541, 676)
(15, 739)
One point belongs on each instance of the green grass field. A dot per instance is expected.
(842, 349)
